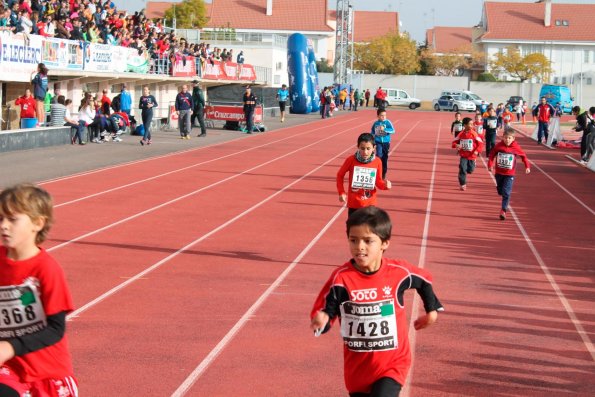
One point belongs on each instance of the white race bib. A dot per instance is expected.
(363, 178)
(369, 326)
(378, 131)
(458, 127)
(466, 144)
(505, 160)
(479, 129)
(492, 123)
(21, 310)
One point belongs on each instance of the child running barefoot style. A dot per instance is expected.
(364, 170)
(504, 156)
(382, 129)
(34, 356)
(469, 145)
(366, 294)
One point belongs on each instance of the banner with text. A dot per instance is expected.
(19, 56)
(184, 67)
(228, 71)
(62, 54)
(231, 113)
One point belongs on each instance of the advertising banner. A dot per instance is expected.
(228, 71)
(62, 54)
(247, 73)
(100, 58)
(184, 67)
(231, 113)
(19, 56)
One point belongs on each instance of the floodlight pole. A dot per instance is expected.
(344, 43)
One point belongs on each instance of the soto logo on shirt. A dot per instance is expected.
(364, 294)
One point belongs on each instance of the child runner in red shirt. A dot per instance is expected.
(478, 125)
(364, 170)
(469, 145)
(34, 356)
(504, 154)
(366, 294)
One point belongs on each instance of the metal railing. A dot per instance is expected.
(226, 37)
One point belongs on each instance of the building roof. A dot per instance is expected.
(444, 39)
(525, 21)
(251, 14)
(368, 25)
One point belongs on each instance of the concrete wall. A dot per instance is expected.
(34, 138)
(427, 88)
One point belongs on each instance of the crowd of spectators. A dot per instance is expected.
(97, 21)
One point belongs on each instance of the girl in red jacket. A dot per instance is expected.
(27, 103)
(365, 171)
(469, 144)
(504, 154)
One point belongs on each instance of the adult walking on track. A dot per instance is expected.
(249, 104)
(282, 96)
(146, 104)
(184, 108)
(198, 98)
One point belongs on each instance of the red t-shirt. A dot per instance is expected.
(27, 107)
(362, 192)
(373, 319)
(32, 290)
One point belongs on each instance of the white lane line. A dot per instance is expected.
(182, 169)
(421, 264)
(550, 278)
(138, 214)
(192, 378)
(206, 362)
(126, 164)
(563, 188)
(555, 181)
(198, 240)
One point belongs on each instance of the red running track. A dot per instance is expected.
(194, 273)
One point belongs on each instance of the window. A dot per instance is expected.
(563, 80)
(403, 94)
(589, 81)
(277, 79)
(556, 80)
(586, 57)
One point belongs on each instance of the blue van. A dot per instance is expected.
(557, 94)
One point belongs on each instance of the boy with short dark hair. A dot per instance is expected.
(457, 126)
(34, 356)
(469, 145)
(490, 127)
(503, 162)
(364, 170)
(366, 294)
(382, 129)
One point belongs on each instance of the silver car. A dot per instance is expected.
(454, 103)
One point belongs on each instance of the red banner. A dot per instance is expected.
(232, 113)
(184, 67)
(228, 71)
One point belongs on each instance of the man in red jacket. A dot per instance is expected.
(469, 145)
(504, 154)
(544, 113)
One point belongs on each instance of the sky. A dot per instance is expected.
(415, 15)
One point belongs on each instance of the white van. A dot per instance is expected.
(399, 97)
(466, 95)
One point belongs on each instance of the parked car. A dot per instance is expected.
(453, 102)
(514, 101)
(467, 96)
(396, 97)
(557, 94)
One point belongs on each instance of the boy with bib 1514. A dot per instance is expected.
(366, 294)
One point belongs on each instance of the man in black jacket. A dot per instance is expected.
(249, 105)
(199, 108)
(582, 124)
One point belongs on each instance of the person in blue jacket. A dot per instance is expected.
(125, 100)
(382, 129)
(282, 96)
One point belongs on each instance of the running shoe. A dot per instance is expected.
(142, 142)
(502, 215)
(463, 187)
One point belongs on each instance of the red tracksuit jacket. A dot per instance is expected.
(505, 158)
(471, 144)
(362, 191)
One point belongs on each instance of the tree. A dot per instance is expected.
(189, 14)
(389, 54)
(322, 66)
(522, 68)
(452, 63)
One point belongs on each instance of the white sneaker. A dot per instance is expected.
(117, 139)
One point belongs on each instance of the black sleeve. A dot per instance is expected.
(425, 291)
(333, 300)
(50, 335)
